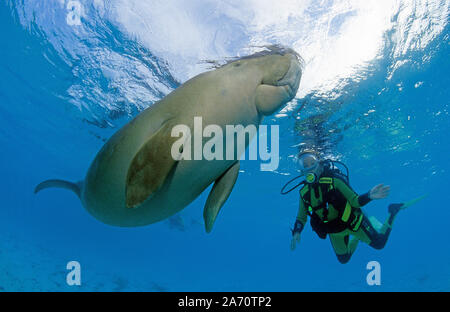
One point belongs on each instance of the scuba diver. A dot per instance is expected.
(335, 209)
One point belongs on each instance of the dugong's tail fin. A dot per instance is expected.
(74, 187)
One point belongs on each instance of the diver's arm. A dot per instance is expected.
(353, 198)
(300, 221)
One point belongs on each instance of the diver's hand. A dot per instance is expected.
(380, 191)
(295, 240)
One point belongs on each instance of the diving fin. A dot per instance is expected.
(412, 202)
(393, 209)
(219, 194)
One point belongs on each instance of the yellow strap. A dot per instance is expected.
(326, 180)
(303, 190)
(358, 223)
(347, 212)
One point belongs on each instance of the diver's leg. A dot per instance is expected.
(371, 236)
(386, 229)
(340, 243)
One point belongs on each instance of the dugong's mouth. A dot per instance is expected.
(291, 79)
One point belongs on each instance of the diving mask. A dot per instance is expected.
(308, 162)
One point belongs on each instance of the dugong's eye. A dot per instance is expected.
(237, 64)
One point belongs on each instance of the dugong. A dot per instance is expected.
(134, 180)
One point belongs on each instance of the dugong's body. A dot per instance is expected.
(134, 180)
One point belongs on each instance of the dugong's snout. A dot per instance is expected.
(280, 82)
(291, 79)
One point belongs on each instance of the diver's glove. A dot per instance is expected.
(298, 227)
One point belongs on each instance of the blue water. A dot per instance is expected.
(65, 89)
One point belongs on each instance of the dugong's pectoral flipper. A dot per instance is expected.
(150, 166)
(219, 194)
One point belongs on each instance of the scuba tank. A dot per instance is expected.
(331, 170)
